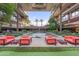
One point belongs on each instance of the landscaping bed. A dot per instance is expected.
(13, 34)
(66, 33)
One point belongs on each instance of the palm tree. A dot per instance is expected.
(60, 6)
(17, 17)
(36, 22)
(1, 16)
(41, 22)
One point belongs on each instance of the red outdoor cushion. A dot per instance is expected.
(67, 37)
(71, 39)
(27, 37)
(25, 40)
(77, 41)
(9, 39)
(50, 39)
(2, 40)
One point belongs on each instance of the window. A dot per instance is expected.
(75, 14)
(64, 18)
(2, 13)
(13, 18)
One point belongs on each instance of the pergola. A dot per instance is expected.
(39, 6)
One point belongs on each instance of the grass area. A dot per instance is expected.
(40, 51)
(65, 53)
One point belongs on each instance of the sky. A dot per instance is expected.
(33, 15)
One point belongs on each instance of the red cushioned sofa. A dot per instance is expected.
(72, 39)
(50, 40)
(6, 39)
(25, 40)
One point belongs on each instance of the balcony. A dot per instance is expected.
(66, 6)
(70, 9)
(72, 22)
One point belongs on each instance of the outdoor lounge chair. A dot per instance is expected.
(50, 40)
(6, 39)
(72, 39)
(25, 40)
(2, 40)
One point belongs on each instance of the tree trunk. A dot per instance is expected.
(17, 24)
(17, 29)
(36, 23)
(10, 24)
(41, 23)
(0, 26)
(60, 18)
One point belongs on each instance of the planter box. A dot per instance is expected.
(25, 40)
(72, 39)
(50, 40)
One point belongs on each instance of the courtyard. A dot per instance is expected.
(38, 40)
(39, 29)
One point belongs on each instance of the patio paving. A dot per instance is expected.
(38, 40)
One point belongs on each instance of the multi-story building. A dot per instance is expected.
(69, 16)
(19, 18)
(22, 17)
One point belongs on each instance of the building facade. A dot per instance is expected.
(69, 16)
(20, 17)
